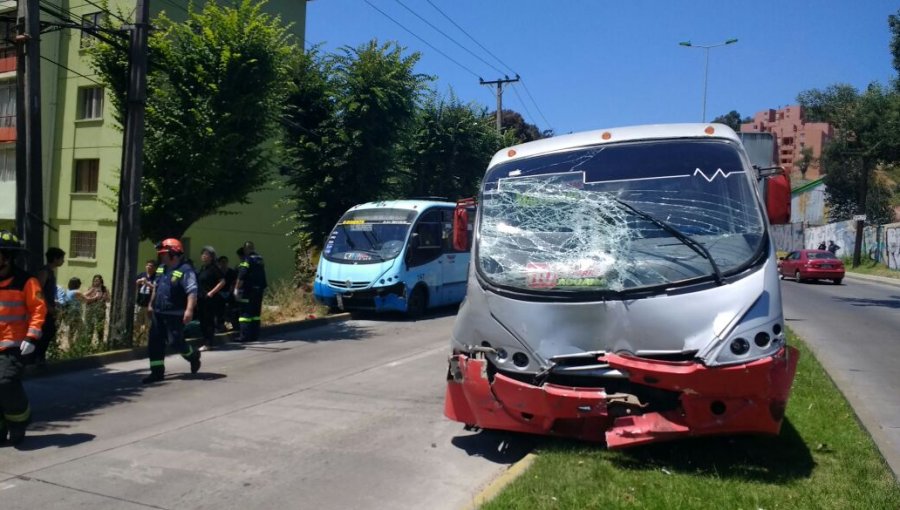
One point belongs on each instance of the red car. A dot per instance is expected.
(811, 265)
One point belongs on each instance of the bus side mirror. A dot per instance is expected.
(776, 193)
(461, 224)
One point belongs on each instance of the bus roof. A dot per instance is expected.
(413, 205)
(613, 135)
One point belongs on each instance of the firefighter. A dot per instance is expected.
(22, 313)
(171, 307)
(248, 291)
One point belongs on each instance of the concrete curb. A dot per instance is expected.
(872, 278)
(498, 484)
(106, 358)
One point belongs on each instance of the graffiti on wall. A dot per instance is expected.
(788, 237)
(891, 250)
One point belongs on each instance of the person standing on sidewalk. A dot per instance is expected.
(96, 299)
(248, 291)
(47, 278)
(228, 309)
(211, 281)
(171, 307)
(142, 301)
(22, 313)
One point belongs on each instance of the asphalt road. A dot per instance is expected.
(854, 331)
(347, 415)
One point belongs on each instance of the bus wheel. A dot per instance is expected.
(418, 301)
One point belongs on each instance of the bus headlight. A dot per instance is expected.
(746, 344)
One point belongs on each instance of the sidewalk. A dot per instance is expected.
(881, 279)
(106, 358)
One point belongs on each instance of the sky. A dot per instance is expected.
(593, 64)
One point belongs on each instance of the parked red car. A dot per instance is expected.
(811, 265)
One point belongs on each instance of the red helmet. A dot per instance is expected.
(171, 246)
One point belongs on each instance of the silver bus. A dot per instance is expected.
(624, 289)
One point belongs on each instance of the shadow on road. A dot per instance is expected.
(59, 401)
(40, 441)
(437, 313)
(756, 458)
(497, 446)
(894, 302)
(330, 333)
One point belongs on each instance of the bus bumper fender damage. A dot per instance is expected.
(746, 398)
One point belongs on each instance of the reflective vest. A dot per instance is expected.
(22, 310)
(252, 271)
(172, 288)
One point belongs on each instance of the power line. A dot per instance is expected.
(107, 11)
(530, 116)
(454, 41)
(72, 71)
(461, 29)
(536, 105)
(448, 57)
(178, 6)
(470, 37)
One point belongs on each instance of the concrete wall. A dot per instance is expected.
(881, 242)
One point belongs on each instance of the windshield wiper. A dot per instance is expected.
(688, 241)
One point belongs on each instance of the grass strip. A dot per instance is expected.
(822, 459)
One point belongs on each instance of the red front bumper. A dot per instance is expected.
(749, 398)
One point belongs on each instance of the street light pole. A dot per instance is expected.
(706, 47)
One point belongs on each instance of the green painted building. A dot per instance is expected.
(82, 154)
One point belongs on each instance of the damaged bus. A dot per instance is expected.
(396, 255)
(624, 289)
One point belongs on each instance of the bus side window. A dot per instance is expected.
(425, 244)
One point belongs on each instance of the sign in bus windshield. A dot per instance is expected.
(369, 235)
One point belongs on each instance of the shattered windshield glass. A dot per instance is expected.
(369, 235)
(619, 217)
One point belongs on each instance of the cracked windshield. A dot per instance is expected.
(369, 235)
(619, 217)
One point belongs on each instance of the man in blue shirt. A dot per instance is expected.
(172, 306)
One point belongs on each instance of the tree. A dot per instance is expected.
(867, 133)
(450, 149)
(349, 115)
(806, 160)
(522, 131)
(731, 119)
(216, 90)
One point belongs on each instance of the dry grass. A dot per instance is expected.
(285, 302)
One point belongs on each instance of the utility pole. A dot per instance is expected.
(499, 83)
(128, 228)
(29, 176)
(861, 210)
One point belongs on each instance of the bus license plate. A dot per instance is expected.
(340, 301)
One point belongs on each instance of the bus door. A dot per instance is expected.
(454, 262)
(424, 256)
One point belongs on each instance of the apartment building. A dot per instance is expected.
(82, 152)
(793, 134)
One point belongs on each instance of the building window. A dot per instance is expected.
(87, 175)
(88, 22)
(8, 104)
(8, 164)
(91, 103)
(83, 245)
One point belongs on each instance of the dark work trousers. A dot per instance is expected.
(167, 330)
(14, 410)
(48, 335)
(206, 314)
(251, 309)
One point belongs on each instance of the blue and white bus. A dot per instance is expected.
(397, 255)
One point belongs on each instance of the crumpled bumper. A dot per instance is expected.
(737, 399)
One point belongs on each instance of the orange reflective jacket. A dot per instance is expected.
(22, 310)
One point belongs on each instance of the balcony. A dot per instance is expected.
(8, 128)
(7, 59)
